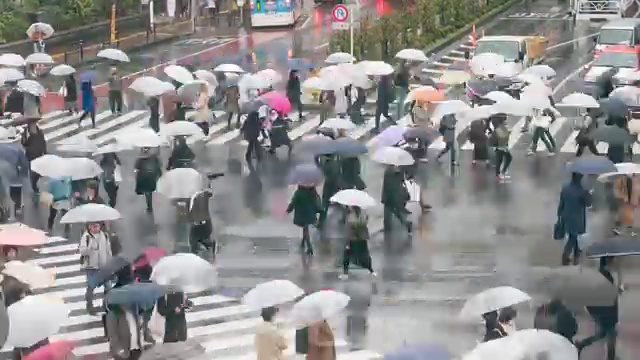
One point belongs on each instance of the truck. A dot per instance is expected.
(524, 51)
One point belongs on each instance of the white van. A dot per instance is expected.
(624, 31)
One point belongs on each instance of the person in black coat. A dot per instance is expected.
(108, 163)
(15, 101)
(172, 307)
(305, 205)
(492, 328)
(35, 145)
(148, 170)
(200, 219)
(154, 113)
(71, 95)
(294, 91)
(181, 156)
(556, 317)
(394, 198)
(251, 129)
(382, 101)
(279, 135)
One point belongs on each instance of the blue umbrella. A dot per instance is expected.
(592, 165)
(618, 246)
(107, 271)
(141, 294)
(316, 146)
(89, 76)
(348, 147)
(614, 107)
(305, 174)
(419, 352)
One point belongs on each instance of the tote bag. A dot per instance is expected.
(156, 325)
(413, 189)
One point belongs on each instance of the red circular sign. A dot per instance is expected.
(340, 13)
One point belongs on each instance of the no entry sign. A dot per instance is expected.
(340, 13)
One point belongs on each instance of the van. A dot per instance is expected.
(624, 31)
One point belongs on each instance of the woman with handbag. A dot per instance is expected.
(357, 249)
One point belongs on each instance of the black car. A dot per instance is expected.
(478, 88)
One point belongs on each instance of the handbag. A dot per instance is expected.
(559, 230)
(46, 199)
(413, 189)
(156, 325)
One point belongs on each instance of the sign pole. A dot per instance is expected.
(113, 23)
(351, 32)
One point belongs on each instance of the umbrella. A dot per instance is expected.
(12, 153)
(22, 236)
(499, 97)
(39, 58)
(592, 165)
(48, 312)
(338, 124)
(180, 183)
(525, 344)
(188, 272)
(630, 95)
(141, 138)
(543, 71)
(614, 107)
(412, 55)
(320, 305)
(419, 352)
(80, 168)
(180, 128)
(110, 149)
(390, 136)
(454, 77)
(113, 54)
(49, 165)
(348, 147)
(108, 271)
(179, 73)
(229, 68)
(62, 70)
(316, 145)
(32, 87)
(12, 60)
(392, 156)
(150, 86)
(317, 83)
(139, 294)
(29, 274)
(622, 169)
(7, 136)
(150, 256)
(39, 31)
(376, 68)
(271, 293)
(425, 94)
(417, 132)
(253, 82)
(580, 100)
(270, 75)
(353, 197)
(81, 143)
(577, 286)
(617, 246)
(339, 58)
(207, 76)
(449, 107)
(530, 79)
(193, 88)
(264, 229)
(613, 135)
(491, 300)
(89, 76)
(486, 64)
(90, 213)
(252, 105)
(55, 350)
(278, 102)
(305, 174)
(173, 351)
(10, 75)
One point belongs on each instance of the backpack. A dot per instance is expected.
(149, 167)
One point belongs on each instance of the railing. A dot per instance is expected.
(600, 8)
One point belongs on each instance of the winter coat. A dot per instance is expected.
(350, 174)
(269, 342)
(15, 102)
(572, 208)
(95, 250)
(88, 99)
(294, 90)
(252, 126)
(331, 170)
(305, 205)
(232, 100)
(35, 144)
(181, 156)
(108, 163)
(321, 342)
(175, 325)
(394, 193)
(148, 171)
(60, 188)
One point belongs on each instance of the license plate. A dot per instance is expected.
(272, 12)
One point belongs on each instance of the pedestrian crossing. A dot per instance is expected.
(221, 324)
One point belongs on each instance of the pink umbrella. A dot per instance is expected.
(150, 255)
(278, 102)
(22, 237)
(55, 350)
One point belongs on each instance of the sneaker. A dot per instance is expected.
(500, 178)
(343, 277)
(530, 153)
(506, 176)
(373, 274)
(551, 154)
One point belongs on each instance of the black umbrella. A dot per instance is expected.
(614, 107)
(614, 247)
(613, 135)
(108, 270)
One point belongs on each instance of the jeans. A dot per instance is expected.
(540, 133)
(305, 243)
(92, 283)
(252, 148)
(503, 160)
(569, 247)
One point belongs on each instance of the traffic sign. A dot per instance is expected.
(340, 13)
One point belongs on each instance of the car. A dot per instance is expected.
(622, 59)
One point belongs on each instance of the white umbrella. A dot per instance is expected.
(180, 183)
(580, 100)
(339, 58)
(634, 126)
(316, 83)
(525, 344)
(111, 148)
(486, 64)
(179, 73)
(626, 169)
(536, 89)
(253, 82)
(113, 54)
(12, 60)
(30, 274)
(271, 293)
(207, 76)
(10, 75)
(44, 31)
(90, 213)
(193, 88)
(535, 100)
(630, 95)
(39, 58)
(453, 77)
(354, 197)
(35, 318)
(150, 86)
(80, 168)
(499, 96)
(320, 305)
(141, 138)
(543, 71)
(80, 143)
(376, 68)
(530, 79)
(477, 113)
(62, 70)
(180, 128)
(270, 75)
(449, 107)
(229, 68)
(188, 272)
(8, 134)
(361, 80)
(338, 124)
(49, 165)
(491, 300)
(32, 87)
(392, 156)
(412, 55)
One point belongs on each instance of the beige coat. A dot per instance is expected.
(321, 342)
(627, 204)
(270, 344)
(202, 105)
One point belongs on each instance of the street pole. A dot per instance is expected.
(151, 16)
(113, 23)
(351, 32)
(194, 4)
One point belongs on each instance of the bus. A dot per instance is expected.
(267, 13)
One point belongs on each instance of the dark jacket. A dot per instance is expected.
(331, 170)
(34, 144)
(279, 133)
(199, 207)
(557, 318)
(148, 172)
(181, 157)
(252, 126)
(350, 173)
(384, 90)
(494, 332)
(572, 208)
(175, 326)
(305, 205)
(293, 89)
(72, 89)
(394, 193)
(108, 164)
(14, 102)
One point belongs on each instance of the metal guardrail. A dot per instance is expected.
(600, 7)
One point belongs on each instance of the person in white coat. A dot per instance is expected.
(204, 115)
(341, 106)
(95, 252)
(541, 125)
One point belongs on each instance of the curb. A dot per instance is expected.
(483, 20)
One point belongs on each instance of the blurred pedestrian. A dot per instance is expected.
(88, 103)
(35, 145)
(321, 342)
(95, 252)
(111, 176)
(382, 101)
(572, 216)
(148, 170)
(172, 306)
(357, 249)
(305, 205)
(70, 94)
(153, 103)
(294, 92)
(115, 92)
(232, 105)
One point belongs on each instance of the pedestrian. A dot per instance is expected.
(356, 107)
(626, 192)
(172, 306)
(95, 252)
(305, 205)
(204, 116)
(60, 190)
(617, 152)
(327, 102)
(572, 215)
(506, 318)
(493, 330)
(357, 249)
(341, 105)
(251, 128)
(500, 139)
(401, 83)
(382, 101)
(350, 169)
(153, 103)
(584, 138)
(269, 341)
(180, 113)
(88, 103)
(35, 145)
(15, 100)
(294, 92)
(279, 134)
(115, 92)
(181, 156)
(123, 330)
(541, 125)
(394, 198)
(148, 170)
(232, 105)
(200, 219)
(321, 342)
(331, 169)
(556, 317)
(111, 176)
(448, 130)
(70, 94)
(478, 137)
(90, 195)
(14, 175)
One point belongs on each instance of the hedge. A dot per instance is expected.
(421, 24)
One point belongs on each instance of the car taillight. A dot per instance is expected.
(252, 4)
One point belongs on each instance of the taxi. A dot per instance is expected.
(624, 58)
